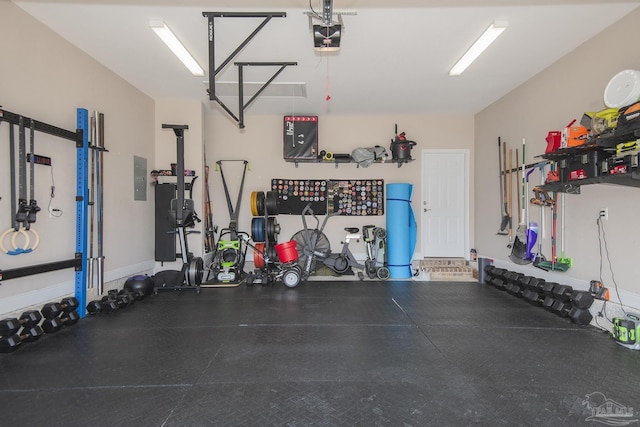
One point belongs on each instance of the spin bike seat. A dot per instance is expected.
(351, 230)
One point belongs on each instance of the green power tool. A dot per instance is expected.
(626, 331)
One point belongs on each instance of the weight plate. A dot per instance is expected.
(257, 229)
(257, 203)
(273, 229)
(258, 256)
(272, 253)
(271, 202)
(194, 272)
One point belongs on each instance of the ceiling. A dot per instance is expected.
(394, 56)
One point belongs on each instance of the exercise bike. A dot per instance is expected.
(313, 246)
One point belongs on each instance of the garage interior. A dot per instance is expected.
(458, 322)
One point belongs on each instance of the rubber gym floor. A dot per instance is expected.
(395, 353)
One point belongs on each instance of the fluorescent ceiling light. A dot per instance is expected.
(479, 46)
(176, 47)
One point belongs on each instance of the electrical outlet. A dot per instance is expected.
(604, 213)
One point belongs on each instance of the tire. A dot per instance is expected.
(291, 277)
(383, 273)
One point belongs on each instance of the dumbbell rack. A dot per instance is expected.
(33, 324)
(553, 297)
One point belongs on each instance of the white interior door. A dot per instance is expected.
(445, 203)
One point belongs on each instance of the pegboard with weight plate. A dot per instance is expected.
(292, 195)
(363, 197)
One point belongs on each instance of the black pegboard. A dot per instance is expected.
(362, 197)
(295, 194)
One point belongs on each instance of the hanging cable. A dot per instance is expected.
(602, 241)
(313, 11)
(54, 212)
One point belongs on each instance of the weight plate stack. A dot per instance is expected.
(271, 202)
(258, 229)
(258, 256)
(273, 229)
(195, 271)
(257, 203)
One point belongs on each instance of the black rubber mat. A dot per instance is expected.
(323, 354)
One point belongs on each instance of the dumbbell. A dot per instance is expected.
(580, 316)
(581, 299)
(53, 324)
(497, 278)
(538, 290)
(123, 301)
(10, 326)
(137, 294)
(98, 306)
(28, 334)
(514, 287)
(562, 292)
(531, 287)
(53, 309)
(134, 295)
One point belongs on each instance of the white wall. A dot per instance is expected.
(549, 101)
(46, 78)
(261, 143)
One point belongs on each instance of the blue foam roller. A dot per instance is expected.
(401, 230)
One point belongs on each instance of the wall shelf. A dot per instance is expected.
(338, 161)
(604, 144)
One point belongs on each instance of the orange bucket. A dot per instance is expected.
(287, 251)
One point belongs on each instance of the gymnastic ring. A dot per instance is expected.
(34, 246)
(16, 251)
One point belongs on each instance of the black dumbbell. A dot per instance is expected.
(53, 309)
(536, 292)
(10, 326)
(524, 282)
(562, 292)
(534, 286)
(53, 325)
(580, 316)
(129, 293)
(122, 301)
(581, 299)
(28, 334)
(514, 287)
(137, 294)
(97, 306)
(498, 279)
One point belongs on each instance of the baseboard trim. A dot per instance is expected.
(36, 298)
(630, 300)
